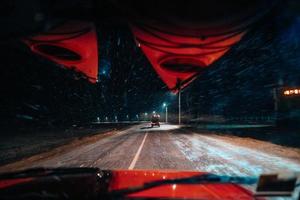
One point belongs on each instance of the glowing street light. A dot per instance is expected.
(166, 106)
(146, 116)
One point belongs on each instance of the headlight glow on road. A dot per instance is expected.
(166, 127)
(163, 127)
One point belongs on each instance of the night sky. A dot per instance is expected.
(40, 93)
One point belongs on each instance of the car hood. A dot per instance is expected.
(90, 183)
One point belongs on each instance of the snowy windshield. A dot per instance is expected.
(151, 86)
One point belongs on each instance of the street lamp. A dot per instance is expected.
(178, 86)
(166, 106)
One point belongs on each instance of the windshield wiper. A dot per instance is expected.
(198, 179)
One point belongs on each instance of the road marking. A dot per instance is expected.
(136, 157)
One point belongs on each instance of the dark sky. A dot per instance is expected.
(239, 83)
(37, 91)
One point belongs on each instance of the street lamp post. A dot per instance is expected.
(179, 106)
(166, 106)
(178, 86)
(166, 114)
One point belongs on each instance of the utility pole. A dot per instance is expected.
(166, 114)
(179, 106)
(166, 106)
(178, 86)
(275, 97)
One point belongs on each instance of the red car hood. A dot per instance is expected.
(129, 178)
(86, 183)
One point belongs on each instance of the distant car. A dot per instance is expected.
(155, 120)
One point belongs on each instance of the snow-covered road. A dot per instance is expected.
(170, 147)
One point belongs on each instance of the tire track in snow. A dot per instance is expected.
(217, 156)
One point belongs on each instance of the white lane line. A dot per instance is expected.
(136, 157)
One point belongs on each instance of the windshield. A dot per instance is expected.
(202, 86)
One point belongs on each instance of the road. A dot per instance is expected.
(170, 147)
